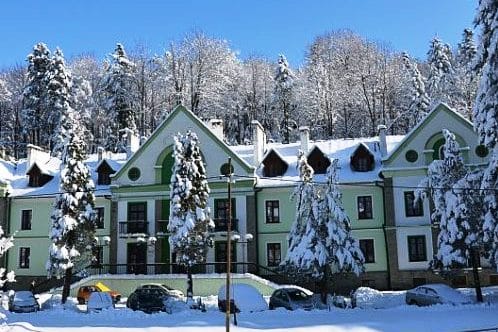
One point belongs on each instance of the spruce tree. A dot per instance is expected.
(59, 87)
(6, 242)
(118, 88)
(440, 77)
(190, 223)
(34, 112)
(442, 175)
(419, 99)
(284, 96)
(73, 216)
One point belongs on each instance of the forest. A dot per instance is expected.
(346, 87)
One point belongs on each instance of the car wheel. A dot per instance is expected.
(81, 300)
(271, 307)
(413, 302)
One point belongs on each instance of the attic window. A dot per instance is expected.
(318, 161)
(362, 159)
(104, 172)
(37, 178)
(274, 165)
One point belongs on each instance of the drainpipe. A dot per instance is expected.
(381, 185)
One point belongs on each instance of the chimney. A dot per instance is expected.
(35, 154)
(216, 126)
(259, 138)
(132, 142)
(100, 153)
(382, 140)
(305, 138)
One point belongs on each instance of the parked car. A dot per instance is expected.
(148, 300)
(243, 297)
(85, 291)
(23, 301)
(99, 301)
(168, 291)
(291, 298)
(434, 294)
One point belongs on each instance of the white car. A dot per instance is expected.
(244, 297)
(99, 301)
(435, 294)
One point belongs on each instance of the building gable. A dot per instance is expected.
(318, 161)
(421, 145)
(274, 165)
(145, 166)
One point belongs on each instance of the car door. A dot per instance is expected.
(432, 296)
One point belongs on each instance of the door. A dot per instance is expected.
(137, 258)
(220, 255)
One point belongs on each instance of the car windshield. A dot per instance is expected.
(297, 295)
(167, 287)
(23, 296)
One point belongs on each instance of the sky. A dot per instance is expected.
(264, 28)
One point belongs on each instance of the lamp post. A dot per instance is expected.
(228, 173)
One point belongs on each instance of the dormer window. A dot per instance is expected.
(274, 165)
(37, 178)
(318, 161)
(104, 172)
(362, 159)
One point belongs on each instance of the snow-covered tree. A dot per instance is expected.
(4, 91)
(307, 254)
(420, 101)
(59, 87)
(344, 251)
(439, 82)
(73, 216)
(284, 96)
(118, 89)
(6, 242)
(190, 222)
(486, 118)
(442, 175)
(466, 77)
(35, 113)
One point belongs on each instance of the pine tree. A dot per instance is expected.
(345, 254)
(6, 242)
(465, 76)
(419, 99)
(440, 77)
(59, 87)
(119, 91)
(284, 96)
(486, 119)
(73, 216)
(190, 222)
(442, 175)
(34, 114)
(307, 254)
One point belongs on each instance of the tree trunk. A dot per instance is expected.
(190, 284)
(67, 284)
(477, 283)
(324, 286)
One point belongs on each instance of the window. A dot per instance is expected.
(272, 212)
(26, 217)
(221, 209)
(134, 174)
(24, 253)
(97, 255)
(273, 254)
(416, 248)
(365, 207)
(413, 209)
(99, 217)
(104, 178)
(367, 247)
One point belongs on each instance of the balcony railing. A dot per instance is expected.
(221, 225)
(134, 227)
(162, 227)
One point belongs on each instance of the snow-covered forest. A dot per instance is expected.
(344, 77)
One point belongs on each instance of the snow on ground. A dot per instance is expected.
(398, 317)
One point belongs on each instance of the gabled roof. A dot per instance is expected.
(442, 107)
(363, 146)
(182, 109)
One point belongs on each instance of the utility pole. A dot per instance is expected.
(229, 244)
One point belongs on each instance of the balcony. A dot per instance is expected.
(133, 227)
(221, 225)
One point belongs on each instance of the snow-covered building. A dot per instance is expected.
(377, 178)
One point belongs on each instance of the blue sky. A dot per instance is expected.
(254, 27)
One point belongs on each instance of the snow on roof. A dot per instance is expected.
(15, 175)
(341, 149)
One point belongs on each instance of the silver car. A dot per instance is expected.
(291, 298)
(434, 294)
(23, 301)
